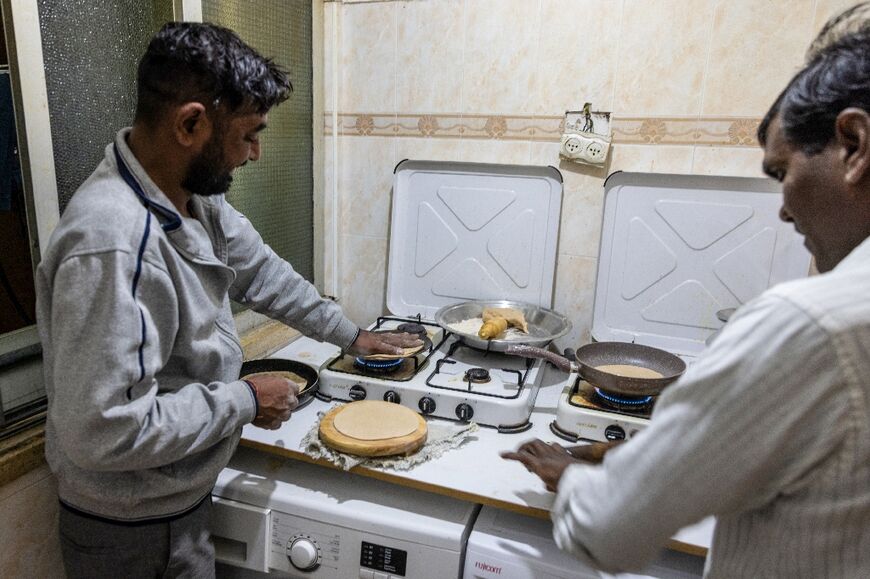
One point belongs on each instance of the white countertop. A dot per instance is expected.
(473, 472)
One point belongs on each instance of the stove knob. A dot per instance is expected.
(614, 432)
(392, 396)
(427, 405)
(303, 552)
(464, 412)
(357, 392)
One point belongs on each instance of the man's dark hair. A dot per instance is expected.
(850, 21)
(837, 78)
(190, 61)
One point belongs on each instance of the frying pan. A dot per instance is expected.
(607, 353)
(305, 395)
(544, 325)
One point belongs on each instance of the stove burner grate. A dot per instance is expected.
(639, 403)
(477, 375)
(412, 328)
(379, 366)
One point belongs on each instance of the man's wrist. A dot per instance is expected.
(256, 395)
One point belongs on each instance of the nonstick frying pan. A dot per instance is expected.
(608, 353)
(306, 394)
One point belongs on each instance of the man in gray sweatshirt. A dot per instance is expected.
(141, 354)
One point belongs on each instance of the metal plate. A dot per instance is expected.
(545, 325)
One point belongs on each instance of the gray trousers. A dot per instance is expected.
(175, 547)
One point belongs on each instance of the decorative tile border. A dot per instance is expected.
(714, 131)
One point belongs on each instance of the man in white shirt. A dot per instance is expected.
(769, 430)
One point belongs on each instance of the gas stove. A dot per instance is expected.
(589, 413)
(448, 379)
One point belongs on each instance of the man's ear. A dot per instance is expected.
(853, 134)
(191, 126)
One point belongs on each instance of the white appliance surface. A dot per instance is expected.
(440, 389)
(283, 516)
(675, 249)
(466, 231)
(506, 545)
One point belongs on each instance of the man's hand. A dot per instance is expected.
(393, 343)
(276, 398)
(549, 461)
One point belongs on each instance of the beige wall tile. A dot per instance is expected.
(751, 61)
(575, 292)
(365, 183)
(499, 73)
(662, 53)
(577, 62)
(364, 278)
(429, 71)
(429, 149)
(738, 162)
(582, 201)
(28, 530)
(493, 151)
(651, 158)
(368, 57)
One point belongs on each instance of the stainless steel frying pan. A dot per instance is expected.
(596, 354)
(544, 325)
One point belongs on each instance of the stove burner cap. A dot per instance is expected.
(378, 366)
(477, 375)
(412, 328)
(639, 403)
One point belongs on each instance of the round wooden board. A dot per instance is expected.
(406, 445)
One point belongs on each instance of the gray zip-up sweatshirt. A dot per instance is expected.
(141, 354)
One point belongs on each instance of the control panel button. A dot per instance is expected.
(379, 575)
(303, 553)
(366, 574)
(614, 432)
(464, 412)
(357, 392)
(392, 396)
(427, 405)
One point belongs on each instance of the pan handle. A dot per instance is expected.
(556, 360)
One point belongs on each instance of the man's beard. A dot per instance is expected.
(205, 174)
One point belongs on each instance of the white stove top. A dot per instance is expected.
(440, 385)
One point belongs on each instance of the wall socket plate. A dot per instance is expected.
(586, 148)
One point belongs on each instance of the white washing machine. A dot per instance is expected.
(505, 545)
(287, 518)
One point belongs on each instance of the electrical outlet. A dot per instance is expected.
(596, 151)
(572, 146)
(584, 148)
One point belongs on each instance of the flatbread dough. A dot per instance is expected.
(406, 353)
(375, 420)
(629, 371)
(292, 376)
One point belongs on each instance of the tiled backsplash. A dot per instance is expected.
(724, 131)
(686, 81)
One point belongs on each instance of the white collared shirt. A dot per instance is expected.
(768, 430)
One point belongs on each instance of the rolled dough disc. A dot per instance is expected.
(629, 371)
(406, 352)
(301, 382)
(375, 420)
